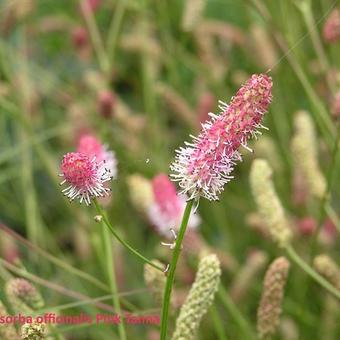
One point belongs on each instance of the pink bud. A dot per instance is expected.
(79, 37)
(306, 226)
(206, 104)
(336, 106)
(331, 30)
(106, 103)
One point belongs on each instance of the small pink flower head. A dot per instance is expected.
(205, 105)
(307, 226)
(90, 146)
(80, 37)
(90, 5)
(336, 106)
(84, 176)
(106, 103)
(167, 209)
(331, 30)
(204, 166)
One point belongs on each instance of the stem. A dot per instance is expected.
(325, 198)
(114, 29)
(112, 278)
(218, 323)
(322, 118)
(172, 269)
(306, 10)
(55, 260)
(126, 245)
(310, 271)
(235, 313)
(95, 37)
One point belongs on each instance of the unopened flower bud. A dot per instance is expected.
(98, 218)
(331, 30)
(269, 310)
(305, 152)
(23, 296)
(80, 37)
(206, 104)
(327, 267)
(155, 280)
(193, 13)
(199, 299)
(106, 103)
(268, 203)
(306, 226)
(141, 193)
(33, 331)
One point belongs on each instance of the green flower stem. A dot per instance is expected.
(95, 37)
(311, 272)
(172, 269)
(235, 313)
(106, 221)
(107, 243)
(115, 28)
(218, 323)
(325, 199)
(321, 114)
(55, 260)
(307, 13)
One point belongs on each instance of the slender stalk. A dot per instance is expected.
(114, 29)
(82, 303)
(306, 10)
(321, 116)
(55, 260)
(235, 313)
(106, 221)
(218, 324)
(112, 278)
(95, 37)
(311, 272)
(51, 285)
(172, 269)
(326, 196)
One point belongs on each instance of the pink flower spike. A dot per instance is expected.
(204, 166)
(331, 29)
(84, 177)
(168, 207)
(90, 146)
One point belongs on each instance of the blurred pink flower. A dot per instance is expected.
(90, 5)
(307, 226)
(168, 207)
(90, 146)
(93, 4)
(205, 105)
(331, 29)
(204, 166)
(336, 105)
(80, 37)
(106, 101)
(85, 177)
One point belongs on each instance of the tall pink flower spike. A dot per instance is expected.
(168, 207)
(204, 166)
